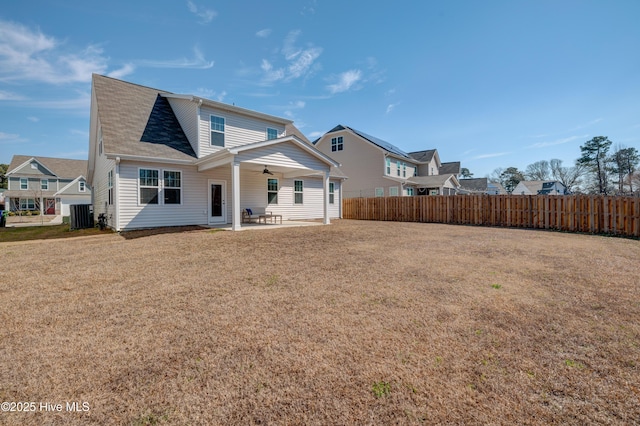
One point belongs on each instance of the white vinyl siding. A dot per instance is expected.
(239, 130)
(284, 154)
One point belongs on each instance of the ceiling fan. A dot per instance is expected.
(266, 171)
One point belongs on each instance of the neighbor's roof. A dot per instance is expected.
(61, 167)
(476, 184)
(423, 156)
(137, 120)
(376, 141)
(452, 167)
(532, 185)
(430, 181)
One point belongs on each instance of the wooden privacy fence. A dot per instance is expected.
(573, 213)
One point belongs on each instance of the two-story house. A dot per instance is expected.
(162, 159)
(377, 168)
(46, 185)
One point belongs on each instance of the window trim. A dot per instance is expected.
(388, 166)
(393, 189)
(337, 144)
(379, 192)
(296, 192)
(27, 207)
(271, 191)
(222, 132)
(110, 187)
(276, 132)
(44, 184)
(398, 167)
(410, 192)
(26, 184)
(404, 170)
(82, 186)
(164, 187)
(140, 186)
(332, 192)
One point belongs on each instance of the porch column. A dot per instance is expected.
(235, 196)
(325, 190)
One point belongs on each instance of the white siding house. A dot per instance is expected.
(160, 159)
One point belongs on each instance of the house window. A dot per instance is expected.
(82, 187)
(332, 192)
(217, 131)
(110, 186)
(415, 171)
(24, 183)
(272, 191)
(44, 184)
(393, 191)
(100, 141)
(298, 187)
(34, 166)
(272, 133)
(410, 192)
(172, 187)
(148, 186)
(336, 144)
(379, 192)
(388, 166)
(27, 204)
(404, 169)
(398, 168)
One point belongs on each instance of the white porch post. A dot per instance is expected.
(235, 196)
(325, 190)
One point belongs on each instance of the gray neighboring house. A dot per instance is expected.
(539, 187)
(48, 185)
(481, 186)
(377, 168)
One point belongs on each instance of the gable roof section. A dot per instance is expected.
(475, 184)
(432, 181)
(60, 167)
(136, 120)
(452, 167)
(376, 141)
(423, 156)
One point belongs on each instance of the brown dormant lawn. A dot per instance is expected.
(353, 323)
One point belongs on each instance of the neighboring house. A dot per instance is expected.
(377, 168)
(539, 187)
(163, 159)
(481, 186)
(48, 185)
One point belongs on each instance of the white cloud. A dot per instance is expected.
(391, 107)
(345, 81)
(205, 15)
(300, 61)
(27, 54)
(10, 138)
(82, 102)
(33, 119)
(557, 141)
(315, 135)
(77, 132)
(264, 33)
(9, 96)
(495, 154)
(124, 71)
(197, 62)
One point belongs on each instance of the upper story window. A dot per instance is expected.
(272, 133)
(24, 183)
(82, 187)
(388, 166)
(398, 168)
(337, 144)
(44, 184)
(34, 166)
(217, 131)
(415, 171)
(404, 169)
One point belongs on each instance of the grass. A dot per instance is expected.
(47, 232)
(353, 323)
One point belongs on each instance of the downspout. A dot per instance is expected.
(116, 194)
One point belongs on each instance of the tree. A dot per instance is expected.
(465, 173)
(623, 164)
(495, 175)
(3, 172)
(510, 178)
(539, 170)
(594, 158)
(570, 177)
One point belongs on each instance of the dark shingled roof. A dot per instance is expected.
(137, 120)
(423, 156)
(452, 167)
(476, 184)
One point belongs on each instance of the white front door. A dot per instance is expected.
(217, 201)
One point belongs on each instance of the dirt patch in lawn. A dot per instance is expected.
(353, 323)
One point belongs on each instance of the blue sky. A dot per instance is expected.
(488, 83)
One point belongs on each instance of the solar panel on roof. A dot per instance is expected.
(382, 144)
